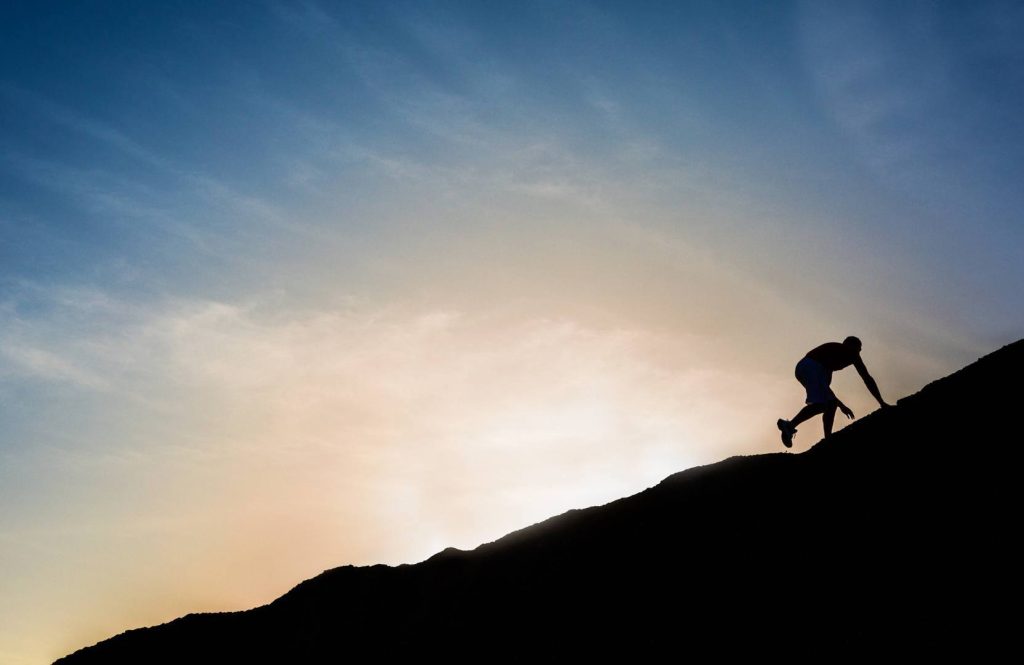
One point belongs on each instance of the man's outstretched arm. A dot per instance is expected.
(869, 381)
(847, 411)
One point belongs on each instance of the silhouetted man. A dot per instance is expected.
(814, 372)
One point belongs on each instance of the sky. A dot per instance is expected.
(286, 286)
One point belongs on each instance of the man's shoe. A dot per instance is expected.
(787, 432)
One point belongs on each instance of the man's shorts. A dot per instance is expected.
(816, 379)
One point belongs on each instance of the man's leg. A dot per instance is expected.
(810, 411)
(828, 416)
(788, 427)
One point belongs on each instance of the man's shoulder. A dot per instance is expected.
(826, 348)
(835, 356)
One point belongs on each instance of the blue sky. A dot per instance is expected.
(167, 144)
(331, 271)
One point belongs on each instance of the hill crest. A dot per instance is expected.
(896, 515)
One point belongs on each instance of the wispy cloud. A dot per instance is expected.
(34, 362)
(166, 205)
(79, 123)
(888, 97)
(390, 392)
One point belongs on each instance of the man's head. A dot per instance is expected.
(852, 343)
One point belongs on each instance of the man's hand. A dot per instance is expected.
(846, 411)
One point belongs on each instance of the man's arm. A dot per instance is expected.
(847, 411)
(868, 381)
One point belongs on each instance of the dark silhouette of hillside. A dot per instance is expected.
(892, 537)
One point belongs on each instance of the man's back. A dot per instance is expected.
(833, 356)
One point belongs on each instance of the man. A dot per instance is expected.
(814, 372)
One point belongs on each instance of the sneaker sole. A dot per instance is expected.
(787, 436)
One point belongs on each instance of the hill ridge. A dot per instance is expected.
(873, 501)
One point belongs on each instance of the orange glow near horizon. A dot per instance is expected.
(366, 437)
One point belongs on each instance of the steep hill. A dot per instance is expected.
(893, 536)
